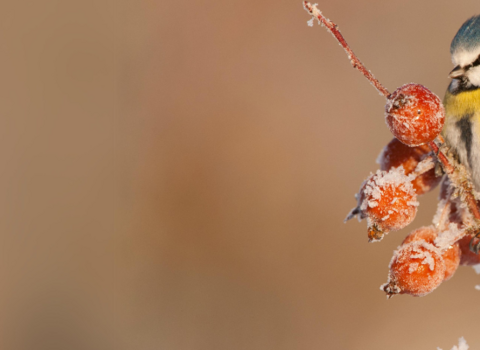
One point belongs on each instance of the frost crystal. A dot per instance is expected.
(448, 237)
(425, 255)
(394, 178)
(413, 267)
(424, 166)
(441, 207)
(310, 22)
(462, 345)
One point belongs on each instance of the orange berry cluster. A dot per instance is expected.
(388, 198)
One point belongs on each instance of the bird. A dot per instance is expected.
(462, 103)
(462, 99)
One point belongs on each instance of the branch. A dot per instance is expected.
(333, 29)
(459, 177)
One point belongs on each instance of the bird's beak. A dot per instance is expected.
(457, 72)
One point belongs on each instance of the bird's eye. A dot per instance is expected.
(419, 111)
(476, 62)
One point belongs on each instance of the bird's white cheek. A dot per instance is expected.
(474, 76)
(463, 57)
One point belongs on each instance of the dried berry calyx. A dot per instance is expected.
(360, 197)
(414, 114)
(375, 234)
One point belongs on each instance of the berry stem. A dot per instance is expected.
(449, 169)
(454, 174)
(442, 223)
(425, 165)
(333, 29)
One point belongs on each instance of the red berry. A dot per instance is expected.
(414, 114)
(417, 268)
(450, 255)
(389, 203)
(397, 154)
(426, 233)
(468, 257)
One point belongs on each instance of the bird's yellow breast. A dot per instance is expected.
(462, 104)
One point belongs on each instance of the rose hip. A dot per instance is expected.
(417, 268)
(414, 114)
(450, 255)
(389, 203)
(397, 154)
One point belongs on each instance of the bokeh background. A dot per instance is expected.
(176, 176)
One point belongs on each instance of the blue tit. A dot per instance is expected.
(462, 99)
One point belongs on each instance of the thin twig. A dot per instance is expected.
(333, 29)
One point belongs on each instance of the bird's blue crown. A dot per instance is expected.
(468, 36)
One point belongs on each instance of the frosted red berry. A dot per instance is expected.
(417, 268)
(389, 203)
(450, 253)
(397, 154)
(426, 233)
(414, 114)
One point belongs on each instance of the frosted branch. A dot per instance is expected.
(333, 29)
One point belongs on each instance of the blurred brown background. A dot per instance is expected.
(176, 175)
